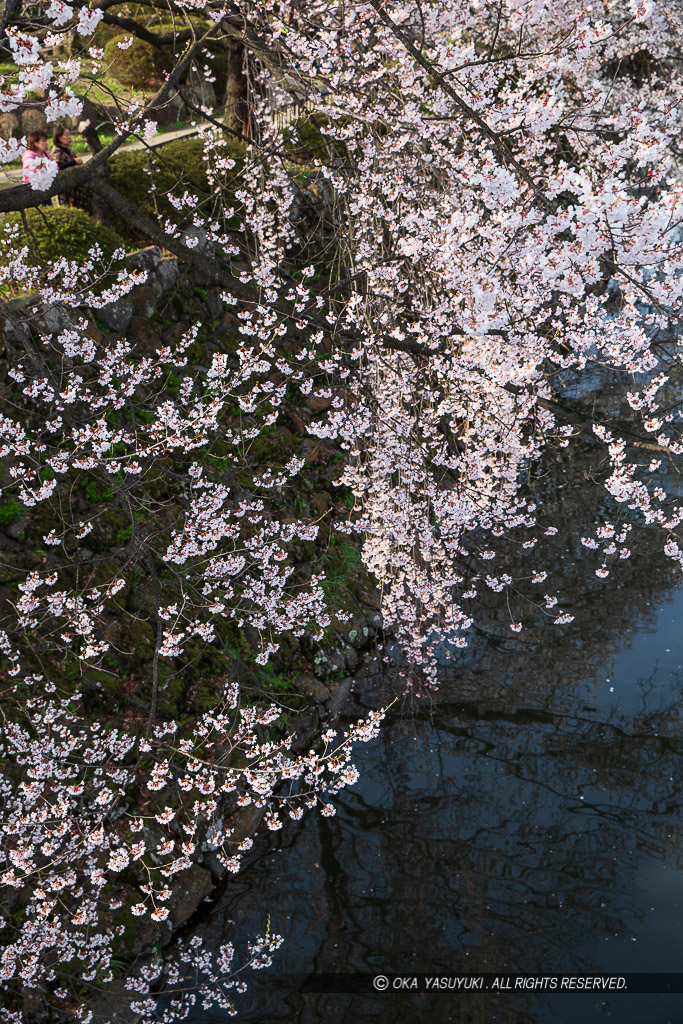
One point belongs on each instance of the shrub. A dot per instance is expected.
(133, 173)
(140, 65)
(103, 33)
(56, 231)
(166, 164)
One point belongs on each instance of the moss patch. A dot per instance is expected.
(56, 231)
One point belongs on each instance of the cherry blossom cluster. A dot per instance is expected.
(73, 823)
(487, 218)
(509, 222)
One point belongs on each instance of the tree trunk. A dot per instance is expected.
(236, 112)
(100, 209)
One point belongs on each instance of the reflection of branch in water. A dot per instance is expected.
(546, 761)
(467, 831)
(466, 844)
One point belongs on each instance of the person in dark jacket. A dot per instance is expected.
(65, 157)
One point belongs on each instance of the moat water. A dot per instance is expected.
(528, 816)
(507, 828)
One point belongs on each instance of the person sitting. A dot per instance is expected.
(65, 157)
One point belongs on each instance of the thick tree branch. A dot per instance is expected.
(23, 197)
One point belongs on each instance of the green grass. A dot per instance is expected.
(79, 145)
(338, 563)
(124, 535)
(95, 493)
(9, 511)
(272, 680)
(55, 231)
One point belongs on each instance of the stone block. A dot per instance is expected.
(194, 238)
(214, 304)
(33, 121)
(351, 658)
(18, 315)
(117, 314)
(311, 686)
(172, 334)
(316, 404)
(191, 887)
(144, 301)
(9, 125)
(144, 335)
(167, 273)
(315, 452)
(16, 332)
(147, 259)
(54, 319)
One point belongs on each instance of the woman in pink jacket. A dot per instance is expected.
(36, 162)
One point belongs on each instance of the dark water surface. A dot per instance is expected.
(529, 819)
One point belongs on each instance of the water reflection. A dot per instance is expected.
(525, 817)
(489, 835)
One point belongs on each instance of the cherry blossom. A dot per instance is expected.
(486, 221)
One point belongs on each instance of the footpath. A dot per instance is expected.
(11, 175)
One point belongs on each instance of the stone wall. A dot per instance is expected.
(120, 316)
(21, 121)
(153, 314)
